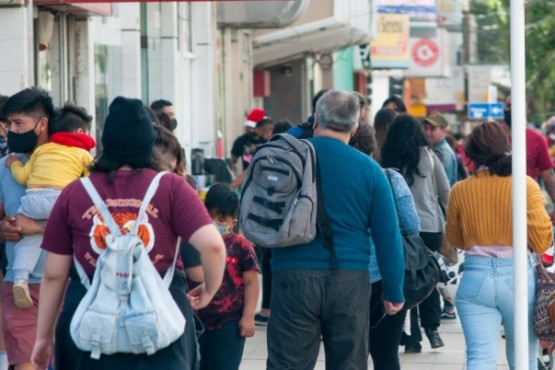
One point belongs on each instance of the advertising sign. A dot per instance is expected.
(418, 10)
(446, 91)
(479, 80)
(429, 56)
(485, 110)
(390, 49)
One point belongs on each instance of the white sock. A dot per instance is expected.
(3, 360)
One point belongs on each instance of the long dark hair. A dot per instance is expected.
(401, 148)
(382, 120)
(488, 145)
(108, 167)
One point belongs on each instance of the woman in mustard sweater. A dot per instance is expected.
(479, 221)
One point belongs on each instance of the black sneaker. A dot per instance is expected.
(413, 348)
(448, 315)
(261, 320)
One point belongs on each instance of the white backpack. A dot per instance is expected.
(128, 307)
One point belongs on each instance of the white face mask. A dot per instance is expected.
(223, 229)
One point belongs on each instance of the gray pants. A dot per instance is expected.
(36, 204)
(309, 304)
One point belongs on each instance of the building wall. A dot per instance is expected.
(235, 80)
(16, 43)
(288, 97)
(343, 71)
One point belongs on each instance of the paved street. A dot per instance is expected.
(450, 357)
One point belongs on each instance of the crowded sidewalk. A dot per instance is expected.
(450, 357)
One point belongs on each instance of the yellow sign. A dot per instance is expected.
(418, 110)
(390, 49)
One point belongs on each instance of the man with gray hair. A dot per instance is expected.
(312, 299)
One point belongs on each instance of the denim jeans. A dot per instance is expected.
(485, 301)
(307, 304)
(221, 349)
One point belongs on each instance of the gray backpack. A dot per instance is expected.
(280, 202)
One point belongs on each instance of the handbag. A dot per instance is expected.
(544, 310)
(422, 271)
(445, 250)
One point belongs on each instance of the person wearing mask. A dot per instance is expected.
(306, 130)
(29, 114)
(165, 112)
(538, 161)
(245, 146)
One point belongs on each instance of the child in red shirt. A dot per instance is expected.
(229, 318)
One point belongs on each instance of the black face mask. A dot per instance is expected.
(22, 143)
(507, 117)
(174, 121)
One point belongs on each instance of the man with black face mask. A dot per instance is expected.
(165, 112)
(538, 160)
(28, 114)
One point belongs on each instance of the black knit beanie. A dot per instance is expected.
(128, 135)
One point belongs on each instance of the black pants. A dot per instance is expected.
(311, 304)
(430, 308)
(266, 278)
(385, 336)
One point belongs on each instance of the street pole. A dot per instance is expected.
(518, 135)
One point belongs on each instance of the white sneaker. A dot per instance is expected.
(21, 295)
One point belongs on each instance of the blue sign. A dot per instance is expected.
(485, 110)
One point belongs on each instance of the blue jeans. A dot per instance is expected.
(485, 301)
(307, 304)
(221, 349)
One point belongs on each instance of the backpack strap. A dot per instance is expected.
(111, 223)
(323, 223)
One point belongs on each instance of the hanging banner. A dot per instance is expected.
(390, 49)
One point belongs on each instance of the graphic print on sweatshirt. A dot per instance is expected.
(100, 232)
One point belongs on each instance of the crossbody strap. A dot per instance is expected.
(429, 153)
(323, 223)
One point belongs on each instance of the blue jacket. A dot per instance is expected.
(409, 222)
(357, 198)
(448, 159)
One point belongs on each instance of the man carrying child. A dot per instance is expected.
(50, 168)
(28, 114)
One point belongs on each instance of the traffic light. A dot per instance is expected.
(397, 86)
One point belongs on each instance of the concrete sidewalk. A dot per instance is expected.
(450, 357)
